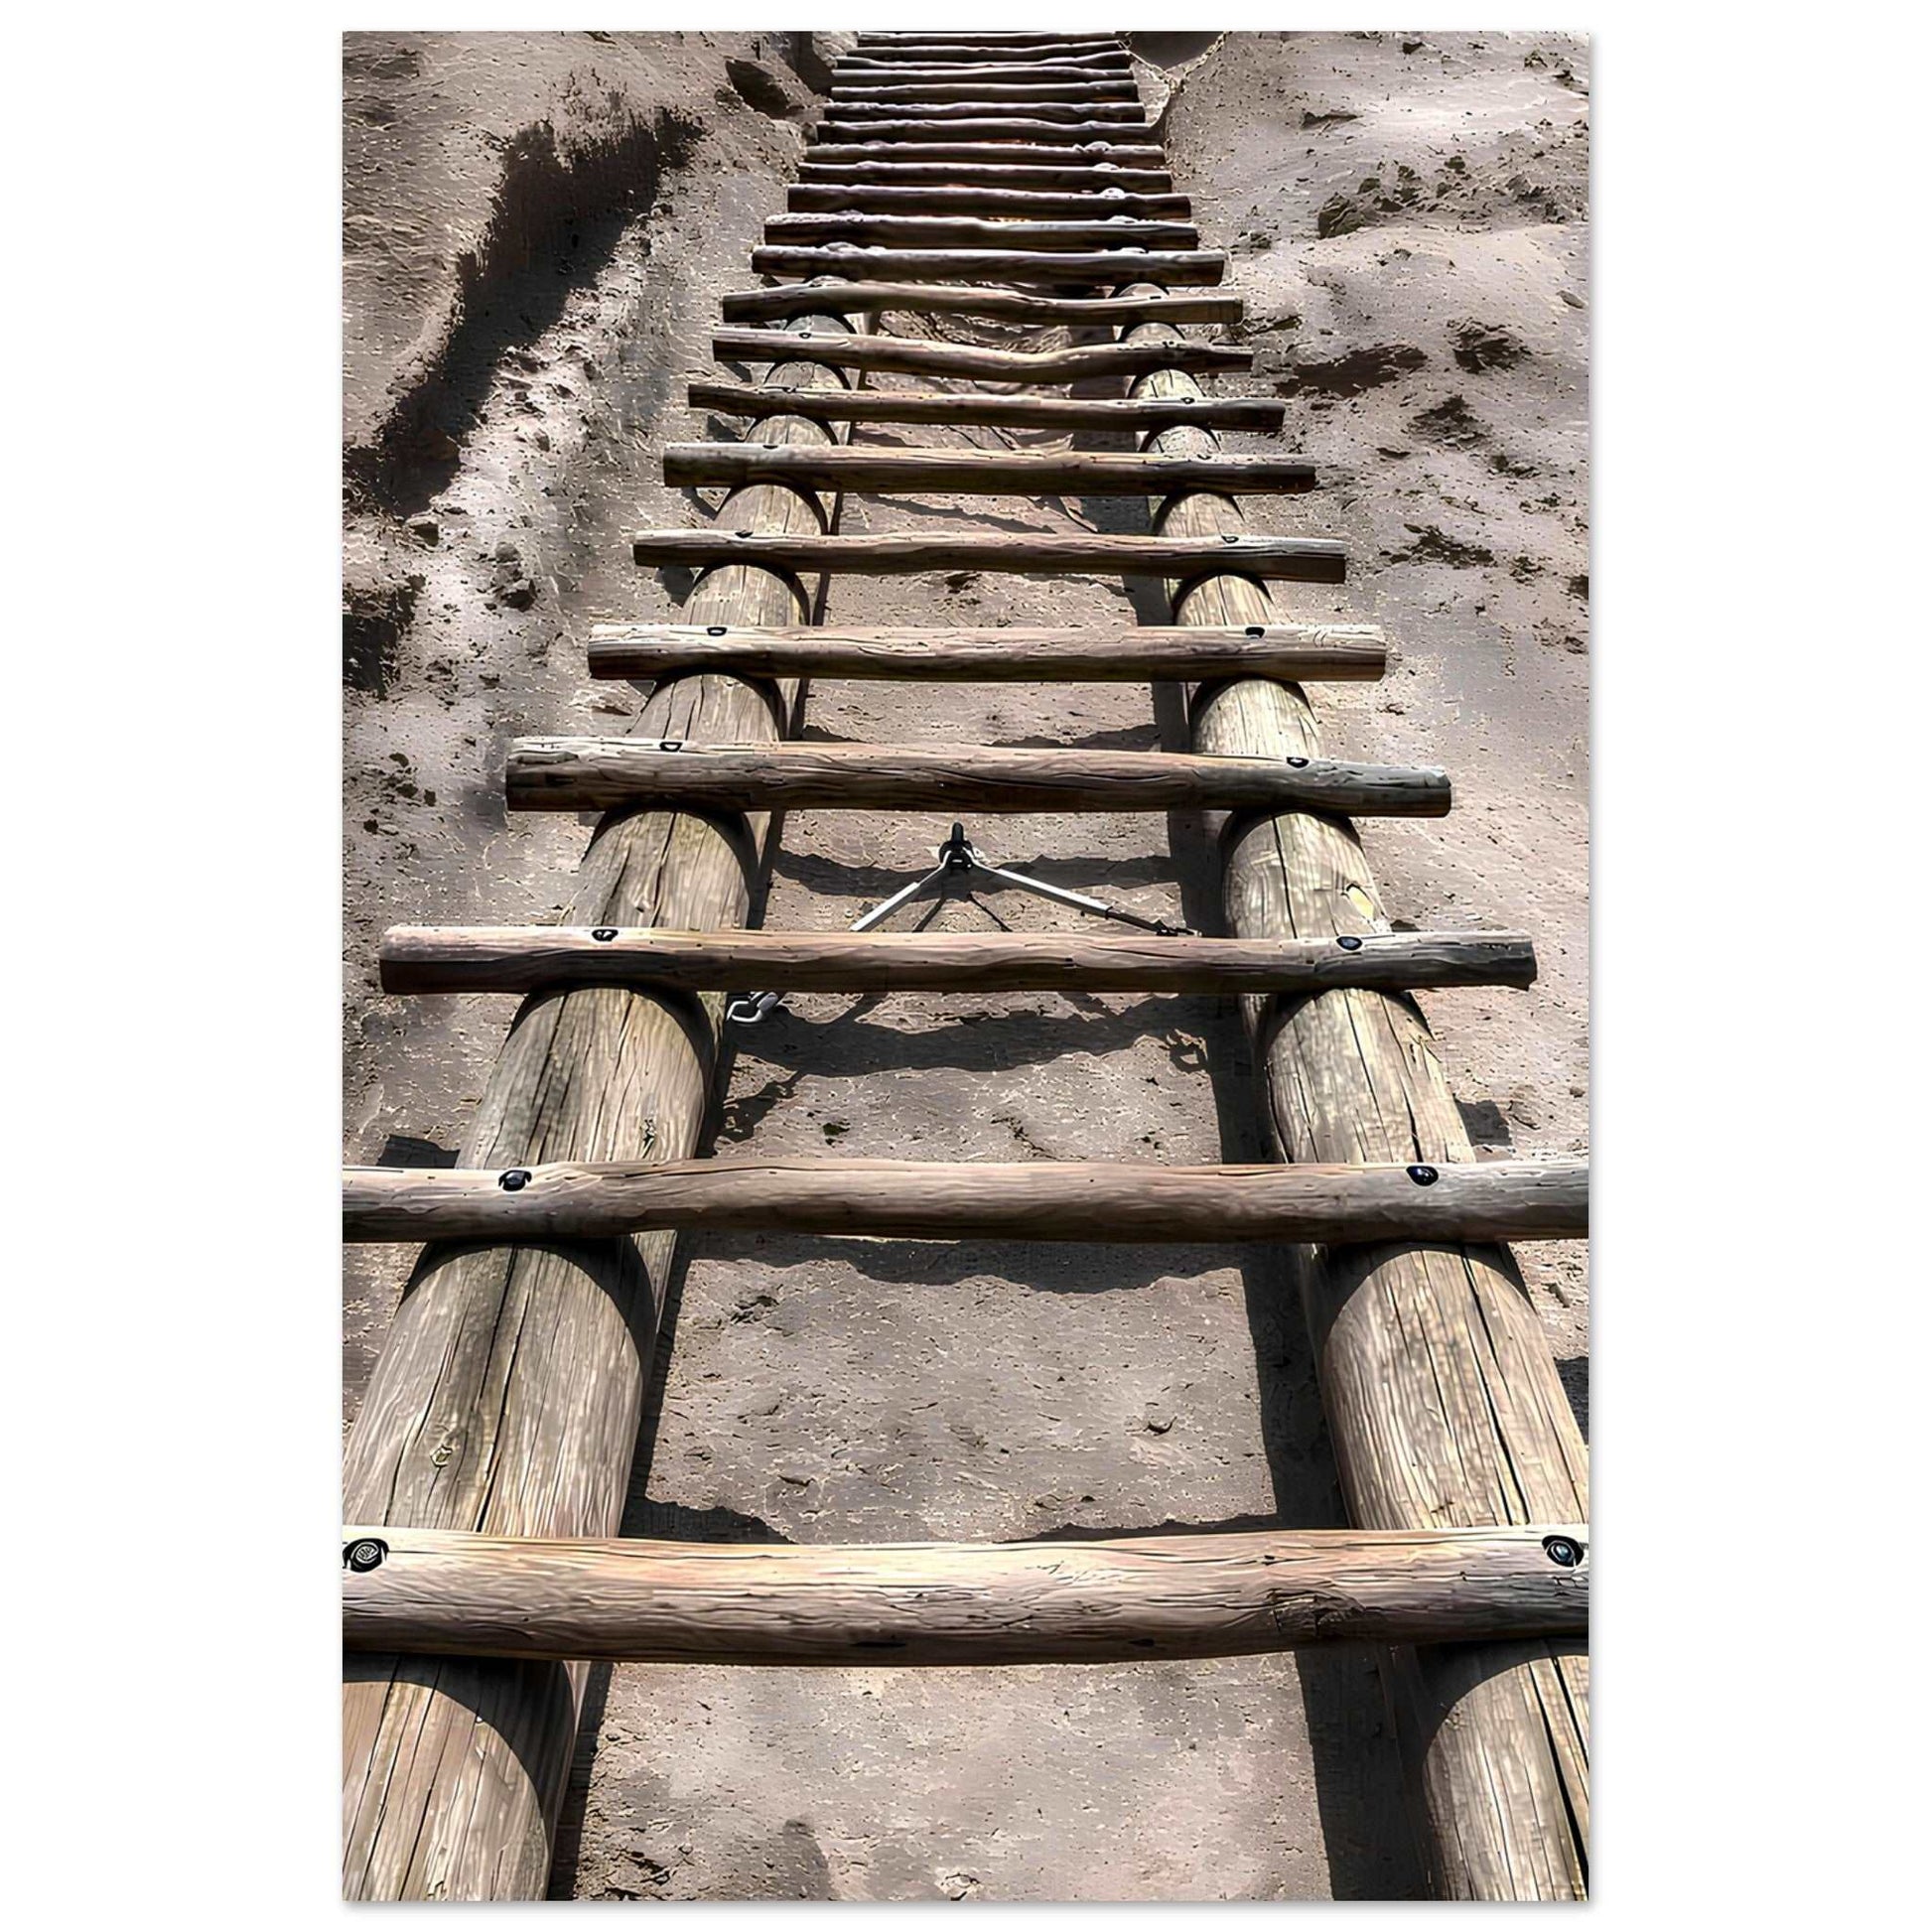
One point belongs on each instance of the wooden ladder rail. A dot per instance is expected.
(508, 1393)
(1442, 1398)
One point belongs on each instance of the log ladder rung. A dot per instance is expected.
(1072, 237)
(864, 70)
(1013, 412)
(991, 120)
(1008, 473)
(1194, 268)
(792, 300)
(1060, 173)
(640, 1600)
(521, 959)
(1000, 67)
(966, 1200)
(604, 774)
(909, 357)
(1058, 91)
(909, 43)
(1090, 205)
(1093, 160)
(1022, 655)
(1302, 560)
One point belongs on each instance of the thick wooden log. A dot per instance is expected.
(889, 167)
(1016, 654)
(861, 70)
(1001, 305)
(965, 1200)
(1034, 130)
(1306, 560)
(949, 1603)
(848, 119)
(966, 232)
(1090, 117)
(508, 1393)
(1193, 268)
(1116, 1600)
(572, 774)
(1442, 1401)
(1019, 412)
(1101, 160)
(911, 357)
(998, 60)
(988, 47)
(1017, 79)
(1092, 205)
(1021, 473)
(522, 958)
(1060, 92)
(896, 40)
(958, 56)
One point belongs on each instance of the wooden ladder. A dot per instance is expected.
(487, 1470)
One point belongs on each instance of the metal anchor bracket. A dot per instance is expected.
(960, 858)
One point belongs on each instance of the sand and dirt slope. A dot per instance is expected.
(539, 229)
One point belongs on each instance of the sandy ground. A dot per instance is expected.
(1407, 218)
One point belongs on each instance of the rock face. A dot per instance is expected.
(539, 228)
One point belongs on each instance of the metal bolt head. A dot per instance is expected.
(1348, 942)
(604, 933)
(366, 1553)
(714, 630)
(1422, 1174)
(1564, 1551)
(512, 1180)
(1298, 763)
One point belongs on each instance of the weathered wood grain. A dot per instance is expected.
(1061, 91)
(1023, 655)
(1066, 238)
(1080, 205)
(958, 471)
(937, 1603)
(927, 1201)
(987, 46)
(574, 774)
(522, 958)
(1195, 268)
(888, 166)
(937, 125)
(1097, 158)
(1442, 1401)
(1088, 116)
(983, 47)
(969, 361)
(1306, 560)
(1069, 78)
(1049, 67)
(1019, 412)
(508, 1392)
(1001, 305)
